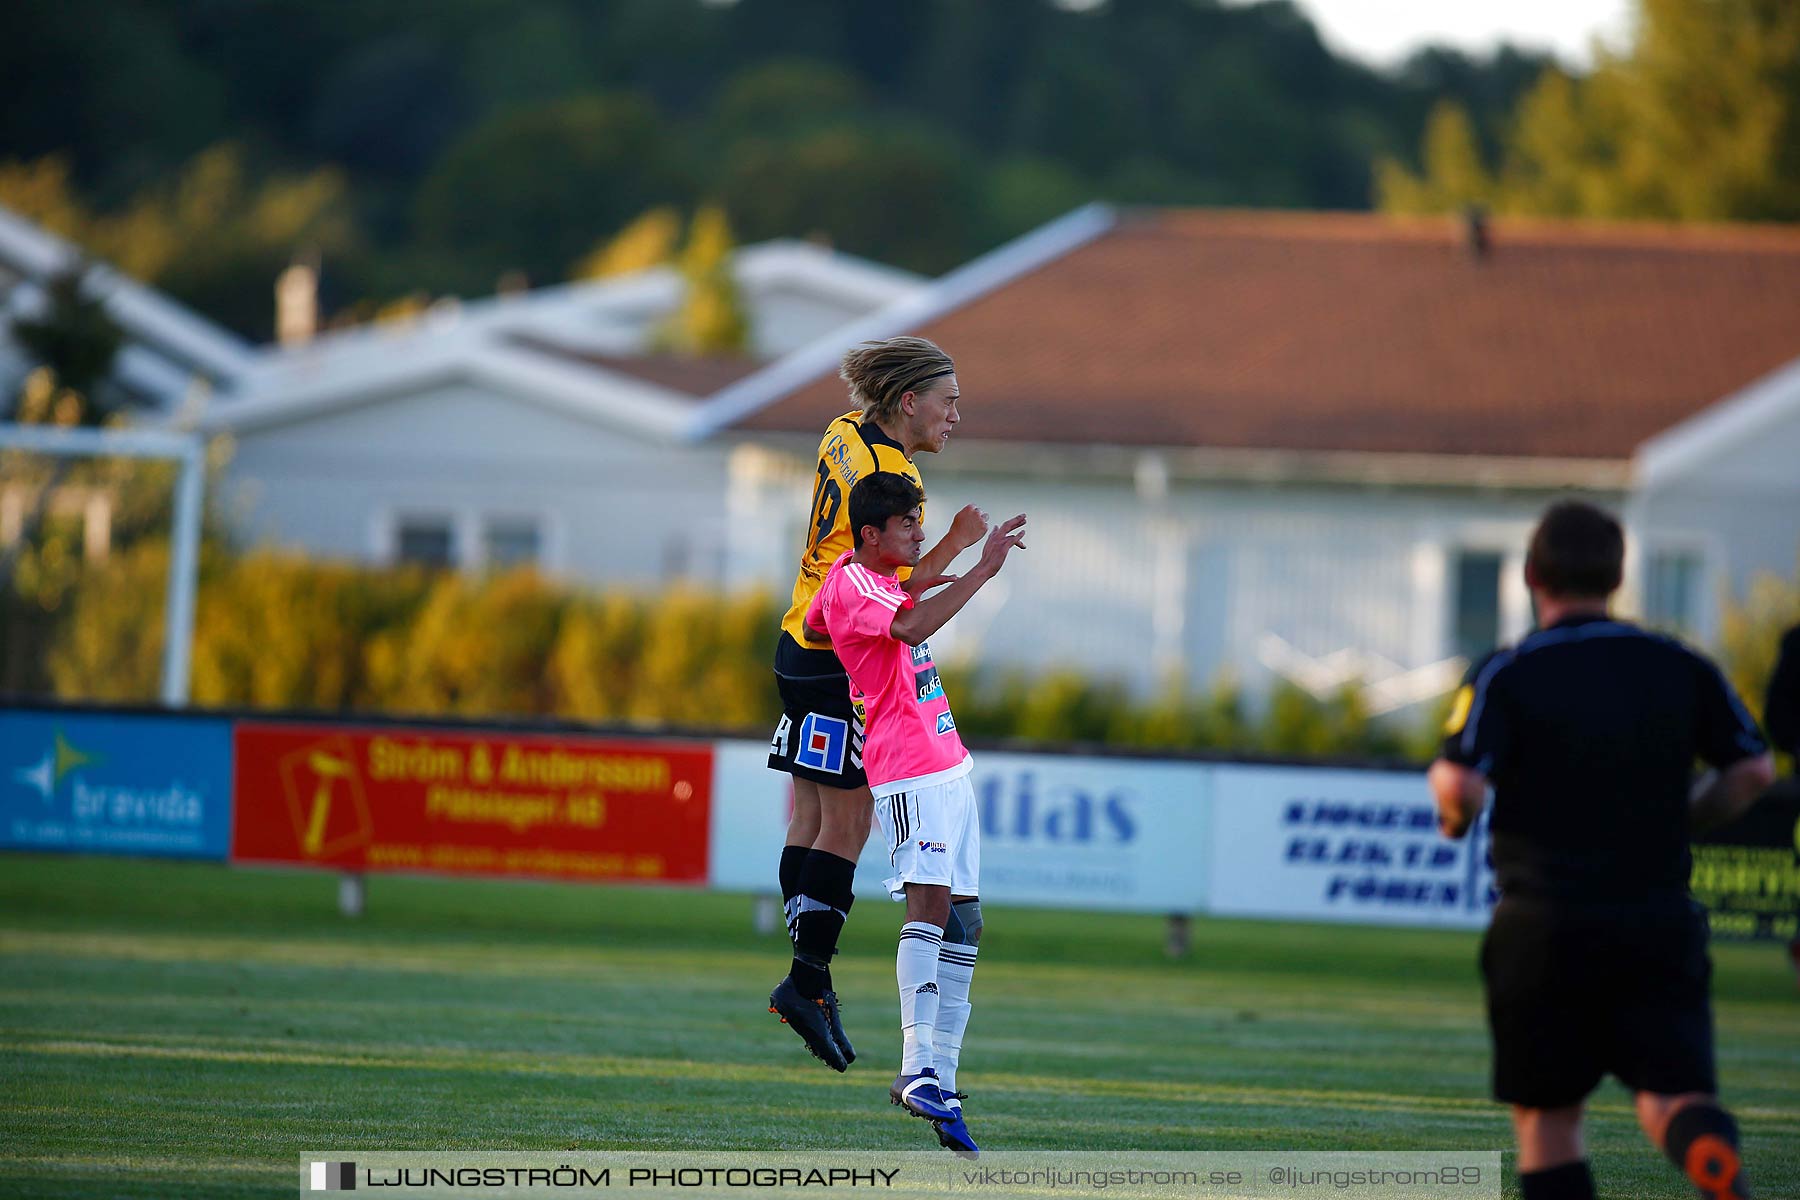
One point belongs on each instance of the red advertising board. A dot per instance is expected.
(545, 805)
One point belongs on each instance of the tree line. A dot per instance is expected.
(1697, 120)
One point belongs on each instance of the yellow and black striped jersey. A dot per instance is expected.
(850, 449)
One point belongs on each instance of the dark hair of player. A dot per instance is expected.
(879, 496)
(1577, 550)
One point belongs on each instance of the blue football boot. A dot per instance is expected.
(919, 1095)
(954, 1136)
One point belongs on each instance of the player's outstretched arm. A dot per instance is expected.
(1721, 797)
(965, 530)
(913, 625)
(1460, 793)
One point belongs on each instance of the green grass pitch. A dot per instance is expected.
(186, 1030)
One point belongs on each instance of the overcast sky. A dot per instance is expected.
(1383, 31)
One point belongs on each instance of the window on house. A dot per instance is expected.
(1477, 604)
(1671, 589)
(427, 540)
(510, 542)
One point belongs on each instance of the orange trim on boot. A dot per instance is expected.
(1712, 1164)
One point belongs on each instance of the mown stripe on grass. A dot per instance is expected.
(1027, 988)
(457, 1060)
(139, 1164)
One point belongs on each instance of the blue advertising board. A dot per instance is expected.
(96, 784)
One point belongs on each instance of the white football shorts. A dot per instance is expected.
(933, 836)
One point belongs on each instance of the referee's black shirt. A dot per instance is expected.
(1589, 731)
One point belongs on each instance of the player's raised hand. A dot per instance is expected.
(1002, 540)
(968, 525)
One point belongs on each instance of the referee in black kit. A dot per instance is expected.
(1596, 962)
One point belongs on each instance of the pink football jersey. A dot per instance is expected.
(912, 740)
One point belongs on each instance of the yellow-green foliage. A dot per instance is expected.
(711, 317)
(280, 631)
(1176, 718)
(276, 631)
(478, 646)
(706, 662)
(50, 574)
(649, 241)
(109, 647)
(1064, 706)
(593, 664)
(1299, 723)
(213, 204)
(1454, 175)
(1696, 121)
(1750, 633)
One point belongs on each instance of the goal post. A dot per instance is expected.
(187, 450)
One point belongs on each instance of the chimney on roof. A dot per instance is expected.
(297, 303)
(1475, 231)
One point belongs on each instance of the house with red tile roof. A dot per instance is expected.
(1311, 445)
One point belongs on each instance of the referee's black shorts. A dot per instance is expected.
(1577, 992)
(820, 735)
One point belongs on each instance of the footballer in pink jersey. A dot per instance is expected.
(911, 740)
(919, 775)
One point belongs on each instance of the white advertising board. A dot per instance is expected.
(750, 805)
(1312, 843)
(1057, 831)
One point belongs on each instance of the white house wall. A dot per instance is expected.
(1313, 585)
(1354, 582)
(614, 508)
(1740, 512)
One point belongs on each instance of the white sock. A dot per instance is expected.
(956, 967)
(916, 968)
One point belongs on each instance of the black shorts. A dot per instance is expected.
(820, 735)
(1575, 993)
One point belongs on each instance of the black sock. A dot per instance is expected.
(789, 874)
(821, 905)
(1571, 1181)
(1702, 1140)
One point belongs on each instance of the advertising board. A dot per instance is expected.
(98, 783)
(466, 802)
(1313, 843)
(1057, 830)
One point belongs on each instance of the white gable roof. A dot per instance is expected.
(167, 343)
(283, 392)
(1731, 424)
(502, 341)
(611, 316)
